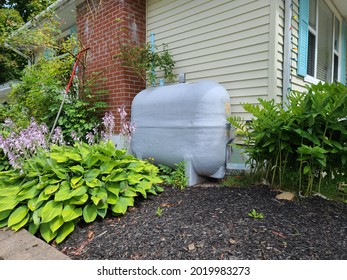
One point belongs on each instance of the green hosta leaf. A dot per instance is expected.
(94, 183)
(91, 174)
(34, 203)
(5, 214)
(10, 190)
(28, 193)
(113, 188)
(130, 192)
(107, 166)
(46, 232)
(122, 205)
(73, 156)
(92, 160)
(77, 169)
(64, 193)
(30, 184)
(79, 191)
(136, 166)
(64, 231)
(71, 212)
(119, 177)
(99, 195)
(141, 191)
(59, 157)
(56, 223)
(43, 197)
(51, 189)
(60, 174)
(8, 203)
(3, 223)
(112, 199)
(18, 215)
(21, 224)
(134, 178)
(51, 210)
(79, 200)
(102, 212)
(33, 228)
(75, 180)
(90, 211)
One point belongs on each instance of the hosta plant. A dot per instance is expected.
(57, 188)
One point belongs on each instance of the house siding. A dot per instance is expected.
(225, 41)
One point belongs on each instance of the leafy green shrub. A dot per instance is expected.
(59, 187)
(302, 145)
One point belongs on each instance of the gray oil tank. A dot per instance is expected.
(183, 122)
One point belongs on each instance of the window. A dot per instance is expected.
(321, 52)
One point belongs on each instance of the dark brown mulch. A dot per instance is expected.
(213, 223)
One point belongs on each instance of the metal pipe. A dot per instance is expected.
(153, 50)
(286, 84)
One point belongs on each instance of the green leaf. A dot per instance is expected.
(113, 188)
(10, 190)
(71, 212)
(122, 205)
(51, 189)
(119, 177)
(307, 169)
(5, 214)
(91, 174)
(51, 210)
(130, 192)
(64, 193)
(79, 200)
(47, 233)
(102, 212)
(74, 156)
(75, 180)
(64, 231)
(112, 199)
(28, 193)
(56, 223)
(34, 203)
(18, 215)
(8, 203)
(90, 211)
(30, 184)
(79, 191)
(22, 223)
(58, 157)
(107, 166)
(94, 183)
(33, 228)
(77, 169)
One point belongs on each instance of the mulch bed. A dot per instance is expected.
(212, 222)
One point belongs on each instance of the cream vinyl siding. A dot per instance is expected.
(222, 40)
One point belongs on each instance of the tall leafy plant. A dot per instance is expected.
(304, 144)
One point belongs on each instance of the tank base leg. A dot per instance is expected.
(193, 177)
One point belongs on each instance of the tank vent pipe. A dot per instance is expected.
(153, 50)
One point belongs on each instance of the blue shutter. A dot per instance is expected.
(343, 53)
(303, 37)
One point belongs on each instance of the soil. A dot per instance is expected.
(212, 222)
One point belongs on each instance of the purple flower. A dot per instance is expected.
(90, 138)
(57, 137)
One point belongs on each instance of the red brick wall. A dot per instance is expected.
(97, 28)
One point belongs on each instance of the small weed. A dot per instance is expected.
(254, 214)
(159, 211)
